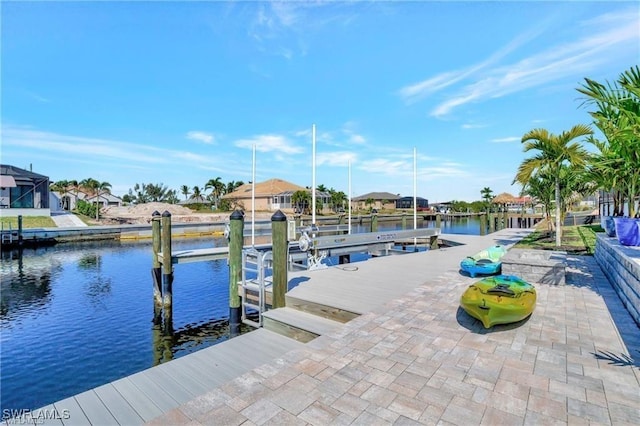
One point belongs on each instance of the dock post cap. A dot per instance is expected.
(155, 213)
(166, 214)
(278, 217)
(236, 215)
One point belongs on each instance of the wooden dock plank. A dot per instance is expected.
(191, 379)
(148, 394)
(48, 416)
(163, 381)
(157, 394)
(118, 406)
(76, 415)
(94, 409)
(139, 401)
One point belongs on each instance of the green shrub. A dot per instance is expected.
(86, 209)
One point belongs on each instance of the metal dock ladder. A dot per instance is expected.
(255, 265)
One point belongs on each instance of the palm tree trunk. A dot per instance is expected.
(558, 227)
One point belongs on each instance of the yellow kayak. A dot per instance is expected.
(501, 299)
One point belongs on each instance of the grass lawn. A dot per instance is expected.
(575, 239)
(28, 222)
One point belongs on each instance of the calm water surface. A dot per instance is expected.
(76, 316)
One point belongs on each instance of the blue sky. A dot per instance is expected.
(180, 92)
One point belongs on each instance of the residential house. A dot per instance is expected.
(407, 203)
(271, 195)
(23, 192)
(70, 198)
(375, 200)
(105, 199)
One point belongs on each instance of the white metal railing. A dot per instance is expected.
(255, 279)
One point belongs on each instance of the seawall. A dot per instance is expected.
(621, 265)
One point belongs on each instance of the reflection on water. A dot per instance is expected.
(75, 316)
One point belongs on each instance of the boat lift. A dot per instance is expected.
(257, 263)
(320, 247)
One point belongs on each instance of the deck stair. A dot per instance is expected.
(296, 324)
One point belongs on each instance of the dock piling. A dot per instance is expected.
(236, 241)
(167, 265)
(483, 224)
(374, 222)
(20, 230)
(156, 272)
(279, 247)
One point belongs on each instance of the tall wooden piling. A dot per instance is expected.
(483, 223)
(236, 240)
(506, 218)
(492, 223)
(156, 272)
(279, 247)
(20, 230)
(374, 222)
(167, 265)
(404, 220)
(438, 220)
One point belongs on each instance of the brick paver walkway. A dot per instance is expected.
(420, 359)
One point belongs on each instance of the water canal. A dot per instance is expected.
(75, 316)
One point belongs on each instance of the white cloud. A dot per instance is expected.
(203, 137)
(607, 37)
(473, 126)
(507, 139)
(78, 148)
(269, 143)
(338, 158)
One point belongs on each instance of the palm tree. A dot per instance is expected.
(302, 200)
(217, 187)
(232, 186)
(196, 192)
(102, 187)
(554, 151)
(370, 202)
(540, 187)
(617, 115)
(185, 191)
(487, 195)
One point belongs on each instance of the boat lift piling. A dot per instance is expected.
(236, 241)
(156, 273)
(280, 246)
(167, 265)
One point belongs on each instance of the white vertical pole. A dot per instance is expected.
(253, 198)
(349, 217)
(415, 197)
(415, 189)
(313, 178)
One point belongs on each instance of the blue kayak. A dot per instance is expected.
(485, 262)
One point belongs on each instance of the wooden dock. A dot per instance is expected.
(319, 302)
(138, 398)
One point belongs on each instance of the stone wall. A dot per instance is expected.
(536, 266)
(621, 265)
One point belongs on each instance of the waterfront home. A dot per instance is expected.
(272, 195)
(374, 200)
(23, 192)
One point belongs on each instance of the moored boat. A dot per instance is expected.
(501, 299)
(485, 262)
